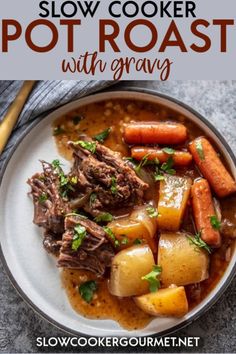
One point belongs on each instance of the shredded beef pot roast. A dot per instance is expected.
(49, 205)
(103, 174)
(95, 252)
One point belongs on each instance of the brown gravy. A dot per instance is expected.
(93, 119)
(104, 305)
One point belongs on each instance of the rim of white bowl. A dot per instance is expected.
(141, 94)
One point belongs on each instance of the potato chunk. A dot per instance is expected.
(182, 262)
(132, 230)
(170, 302)
(138, 225)
(173, 197)
(128, 268)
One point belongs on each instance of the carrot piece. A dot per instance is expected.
(155, 133)
(211, 167)
(180, 158)
(203, 209)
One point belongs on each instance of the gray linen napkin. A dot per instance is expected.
(46, 96)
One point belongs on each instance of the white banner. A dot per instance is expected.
(138, 40)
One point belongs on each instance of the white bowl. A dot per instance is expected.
(31, 270)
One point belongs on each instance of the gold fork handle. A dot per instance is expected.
(10, 119)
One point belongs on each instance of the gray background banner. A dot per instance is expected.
(22, 63)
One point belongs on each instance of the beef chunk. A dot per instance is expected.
(94, 254)
(52, 242)
(49, 205)
(104, 173)
(98, 181)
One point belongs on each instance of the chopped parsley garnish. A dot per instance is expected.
(138, 241)
(152, 212)
(112, 236)
(63, 179)
(92, 198)
(158, 176)
(124, 240)
(65, 184)
(168, 150)
(87, 290)
(154, 161)
(57, 167)
(77, 119)
(58, 131)
(131, 159)
(101, 137)
(104, 217)
(134, 163)
(56, 164)
(154, 278)
(200, 150)
(43, 197)
(142, 163)
(198, 241)
(79, 236)
(87, 145)
(215, 223)
(113, 185)
(167, 166)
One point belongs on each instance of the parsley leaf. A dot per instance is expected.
(87, 290)
(155, 161)
(79, 236)
(159, 177)
(65, 185)
(87, 145)
(142, 163)
(113, 185)
(104, 217)
(153, 278)
(198, 241)
(63, 179)
(42, 198)
(138, 241)
(200, 150)
(168, 150)
(131, 159)
(92, 198)
(124, 240)
(167, 166)
(112, 236)
(56, 164)
(103, 135)
(215, 223)
(152, 212)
